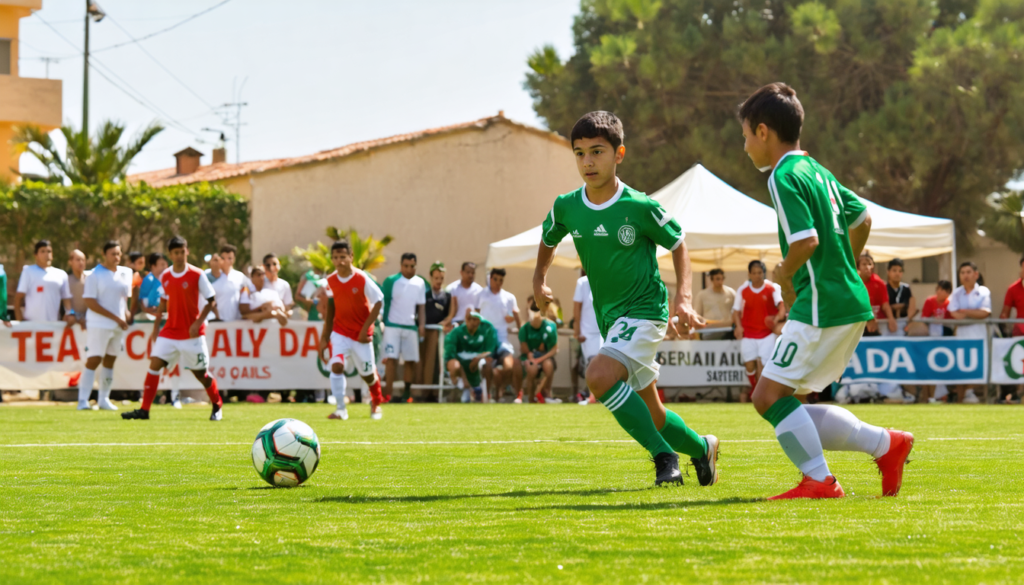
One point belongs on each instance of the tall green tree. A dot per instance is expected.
(915, 104)
(86, 160)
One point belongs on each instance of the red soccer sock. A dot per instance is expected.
(149, 390)
(212, 392)
(753, 381)
(375, 394)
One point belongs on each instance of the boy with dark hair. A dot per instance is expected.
(617, 230)
(106, 296)
(758, 303)
(823, 227)
(405, 322)
(901, 298)
(183, 339)
(715, 303)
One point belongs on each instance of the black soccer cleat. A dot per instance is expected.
(666, 469)
(707, 466)
(218, 413)
(138, 414)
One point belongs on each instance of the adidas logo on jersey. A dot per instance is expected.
(600, 231)
(576, 234)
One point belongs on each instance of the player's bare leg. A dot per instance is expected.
(532, 370)
(210, 385)
(702, 450)
(606, 378)
(548, 369)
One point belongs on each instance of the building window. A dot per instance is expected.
(5, 56)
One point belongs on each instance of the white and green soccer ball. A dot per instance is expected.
(286, 452)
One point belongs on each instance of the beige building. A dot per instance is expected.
(22, 100)
(444, 193)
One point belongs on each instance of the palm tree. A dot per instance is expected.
(86, 160)
(367, 253)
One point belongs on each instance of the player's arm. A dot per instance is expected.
(158, 318)
(193, 330)
(911, 308)
(577, 314)
(19, 300)
(421, 315)
(364, 333)
(552, 232)
(490, 344)
(1007, 306)
(683, 306)
(325, 334)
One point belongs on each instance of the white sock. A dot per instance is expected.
(338, 389)
(175, 387)
(840, 430)
(85, 385)
(799, 440)
(106, 383)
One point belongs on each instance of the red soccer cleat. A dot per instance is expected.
(540, 398)
(813, 490)
(891, 464)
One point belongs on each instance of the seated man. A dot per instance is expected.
(265, 302)
(538, 341)
(474, 340)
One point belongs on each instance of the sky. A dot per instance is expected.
(316, 74)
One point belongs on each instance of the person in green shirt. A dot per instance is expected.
(538, 342)
(3, 296)
(617, 231)
(464, 347)
(823, 228)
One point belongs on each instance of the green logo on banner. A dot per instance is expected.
(1008, 362)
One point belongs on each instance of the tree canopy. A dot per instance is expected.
(914, 104)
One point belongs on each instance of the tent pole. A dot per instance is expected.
(953, 271)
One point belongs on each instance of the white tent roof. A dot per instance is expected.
(726, 229)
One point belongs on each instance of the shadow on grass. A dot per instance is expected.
(648, 506)
(353, 499)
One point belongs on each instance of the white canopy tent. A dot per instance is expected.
(726, 229)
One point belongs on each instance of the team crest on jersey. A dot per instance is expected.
(354, 290)
(627, 235)
(184, 285)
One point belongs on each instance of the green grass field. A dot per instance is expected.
(501, 493)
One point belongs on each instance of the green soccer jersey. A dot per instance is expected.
(617, 242)
(460, 344)
(810, 202)
(540, 339)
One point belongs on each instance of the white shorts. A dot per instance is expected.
(402, 342)
(809, 358)
(634, 344)
(350, 353)
(591, 346)
(101, 342)
(754, 349)
(191, 354)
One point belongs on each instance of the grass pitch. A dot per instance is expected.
(459, 494)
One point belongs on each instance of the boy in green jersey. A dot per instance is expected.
(617, 231)
(823, 227)
(464, 347)
(538, 344)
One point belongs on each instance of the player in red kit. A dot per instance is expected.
(182, 340)
(353, 303)
(755, 313)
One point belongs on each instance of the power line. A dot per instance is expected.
(150, 55)
(161, 31)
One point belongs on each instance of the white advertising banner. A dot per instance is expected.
(1008, 360)
(243, 356)
(701, 363)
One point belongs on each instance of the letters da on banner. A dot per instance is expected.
(909, 360)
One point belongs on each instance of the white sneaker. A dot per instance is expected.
(332, 400)
(584, 402)
(971, 398)
(467, 396)
(553, 400)
(377, 414)
(107, 405)
(340, 414)
(84, 406)
(188, 400)
(176, 404)
(517, 401)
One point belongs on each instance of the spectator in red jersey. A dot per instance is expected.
(1015, 300)
(878, 295)
(183, 339)
(758, 303)
(936, 307)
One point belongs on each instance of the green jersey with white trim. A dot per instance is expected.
(539, 339)
(617, 242)
(810, 202)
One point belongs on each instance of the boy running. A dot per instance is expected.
(183, 339)
(617, 230)
(353, 303)
(823, 227)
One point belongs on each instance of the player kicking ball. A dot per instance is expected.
(182, 340)
(617, 231)
(353, 303)
(823, 227)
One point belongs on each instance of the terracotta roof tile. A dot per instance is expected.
(222, 171)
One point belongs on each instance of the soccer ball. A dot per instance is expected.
(286, 452)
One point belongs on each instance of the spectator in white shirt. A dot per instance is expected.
(106, 294)
(500, 308)
(465, 293)
(271, 268)
(42, 289)
(970, 300)
(228, 285)
(585, 328)
(264, 301)
(405, 318)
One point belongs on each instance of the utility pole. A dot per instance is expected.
(235, 120)
(48, 60)
(93, 11)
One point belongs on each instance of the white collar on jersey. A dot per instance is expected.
(608, 203)
(344, 280)
(178, 274)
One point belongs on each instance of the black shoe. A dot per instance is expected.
(707, 466)
(666, 469)
(217, 413)
(136, 415)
